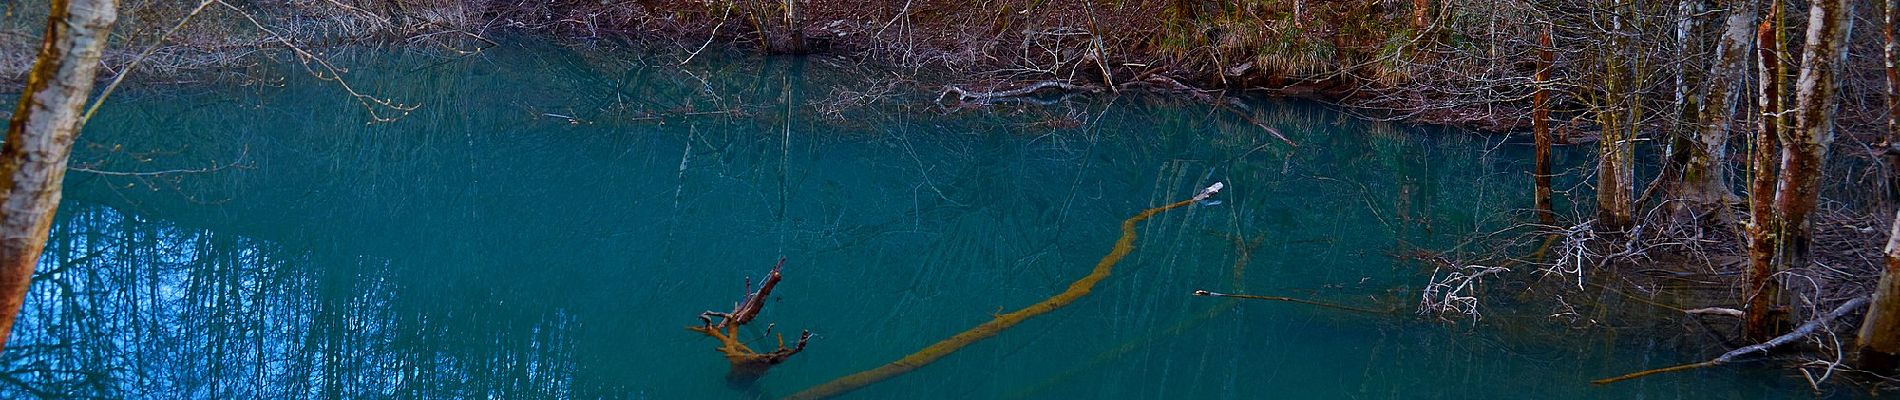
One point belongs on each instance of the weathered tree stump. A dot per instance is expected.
(747, 365)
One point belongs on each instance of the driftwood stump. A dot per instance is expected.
(747, 365)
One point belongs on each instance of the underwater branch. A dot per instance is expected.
(1803, 331)
(1081, 287)
(748, 365)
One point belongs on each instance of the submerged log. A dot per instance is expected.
(1081, 287)
(747, 365)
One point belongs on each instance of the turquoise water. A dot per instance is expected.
(550, 219)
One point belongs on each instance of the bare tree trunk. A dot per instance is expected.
(1879, 341)
(1616, 164)
(1892, 51)
(1705, 181)
(1616, 168)
(1687, 102)
(1540, 128)
(1685, 26)
(1805, 151)
(39, 138)
(1759, 288)
(798, 43)
(1679, 138)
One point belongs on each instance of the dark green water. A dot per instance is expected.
(480, 248)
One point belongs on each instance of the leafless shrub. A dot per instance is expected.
(842, 99)
(1456, 292)
(1572, 252)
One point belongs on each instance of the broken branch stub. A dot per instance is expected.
(747, 365)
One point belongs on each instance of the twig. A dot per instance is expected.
(214, 168)
(1263, 126)
(333, 73)
(709, 36)
(150, 173)
(120, 77)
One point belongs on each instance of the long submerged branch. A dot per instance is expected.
(943, 348)
(1800, 332)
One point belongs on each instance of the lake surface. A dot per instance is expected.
(550, 219)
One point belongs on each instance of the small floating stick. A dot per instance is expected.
(1289, 300)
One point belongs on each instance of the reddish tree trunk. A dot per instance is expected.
(1805, 151)
(1759, 288)
(1879, 341)
(1540, 128)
